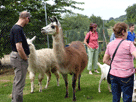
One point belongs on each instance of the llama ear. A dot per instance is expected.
(50, 19)
(33, 38)
(56, 20)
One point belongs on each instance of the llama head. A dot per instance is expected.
(30, 42)
(52, 28)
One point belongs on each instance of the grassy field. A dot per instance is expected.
(54, 93)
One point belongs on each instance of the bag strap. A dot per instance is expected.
(115, 53)
(88, 38)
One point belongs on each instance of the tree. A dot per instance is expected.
(75, 21)
(110, 23)
(131, 14)
(111, 18)
(97, 20)
(81, 36)
(9, 10)
(101, 34)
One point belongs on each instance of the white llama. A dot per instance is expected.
(43, 62)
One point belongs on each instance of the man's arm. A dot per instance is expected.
(135, 41)
(21, 51)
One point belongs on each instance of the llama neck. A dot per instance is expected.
(58, 46)
(32, 56)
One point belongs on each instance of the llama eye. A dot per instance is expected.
(52, 27)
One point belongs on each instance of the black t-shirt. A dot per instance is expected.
(17, 35)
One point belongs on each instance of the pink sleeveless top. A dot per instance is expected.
(93, 40)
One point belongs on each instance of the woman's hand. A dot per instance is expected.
(88, 46)
(85, 42)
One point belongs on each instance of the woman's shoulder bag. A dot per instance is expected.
(108, 76)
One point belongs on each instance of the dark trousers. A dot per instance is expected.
(124, 85)
(20, 70)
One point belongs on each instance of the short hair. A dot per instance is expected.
(24, 14)
(130, 25)
(118, 28)
(91, 26)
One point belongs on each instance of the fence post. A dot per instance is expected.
(46, 22)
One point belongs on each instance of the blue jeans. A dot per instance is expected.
(124, 85)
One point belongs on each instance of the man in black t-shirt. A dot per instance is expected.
(19, 55)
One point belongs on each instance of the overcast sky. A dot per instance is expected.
(105, 8)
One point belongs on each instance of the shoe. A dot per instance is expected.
(90, 72)
(96, 71)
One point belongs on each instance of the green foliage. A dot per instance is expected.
(75, 21)
(121, 18)
(72, 36)
(81, 36)
(131, 14)
(78, 21)
(75, 25)
(101, 34)
(111, 23)
(9, 15)
(101, 55)
(96, 20)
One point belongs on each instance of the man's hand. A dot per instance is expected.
(21, 51)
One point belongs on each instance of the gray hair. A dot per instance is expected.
(24, 14)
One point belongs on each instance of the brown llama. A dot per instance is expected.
(71, 60)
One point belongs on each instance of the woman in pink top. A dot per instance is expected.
(92, 36)
(122, 67)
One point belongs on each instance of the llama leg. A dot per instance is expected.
(74, 86)
(40, 78)
(66, 84)
(32, 77)
(48, 74)
(57, 76)
(79, 82)
(99, 88)
(109, 87)
(56, 72)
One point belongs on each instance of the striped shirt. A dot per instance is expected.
(122, 65)
(93, 40)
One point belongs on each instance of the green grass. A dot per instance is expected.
(54, 93)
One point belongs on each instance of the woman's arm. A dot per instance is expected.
(134, 54)
(106, 59)
(85, 42)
